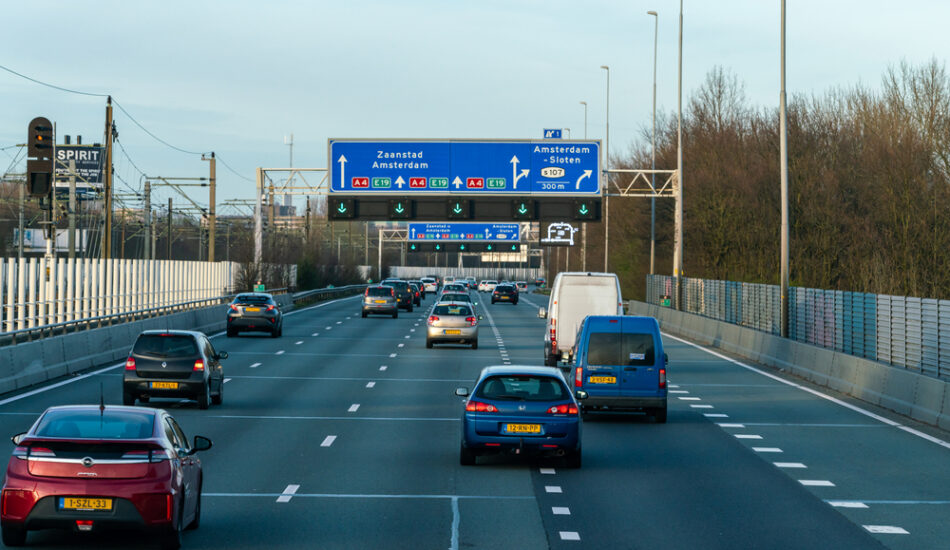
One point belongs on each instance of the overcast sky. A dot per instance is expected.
(238, 76)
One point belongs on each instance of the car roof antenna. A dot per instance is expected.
(102, 405)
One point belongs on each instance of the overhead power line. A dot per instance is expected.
(232, 170)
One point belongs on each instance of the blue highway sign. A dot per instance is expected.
(465, 232)
(407, 168)
(552, 133)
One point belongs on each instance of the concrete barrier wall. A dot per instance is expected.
(909, 393)
(30, 363)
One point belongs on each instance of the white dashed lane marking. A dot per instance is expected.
(281, 352)
(401, 345)
(552, 489)
(789, 465)
(847, 504)
(748, 436)
(560, 510)
(886, 529)
(298, 342)
(766, 449)
(406, 337)
(678, 391)
(353, 408)
(715, 415)
(383, 367)
(392, 355)
(288, 493)
(328, 441)
(816, 483)
(548, 471)
(689, 398)
(339, 322)
(569, 535)
(728, 425)
(327, 328)
(700, 406)
(370, 384)
(226, 380)
(255, 365)
(315, 334)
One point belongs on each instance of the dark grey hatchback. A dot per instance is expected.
(173, 363)
(255, 311)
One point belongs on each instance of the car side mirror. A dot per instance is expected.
(580, 395)
(542, 313)
(201, 444)
(17, 438)
(461, 392)
(222, 355)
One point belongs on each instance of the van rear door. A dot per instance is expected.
(603, 370)
(640, 376)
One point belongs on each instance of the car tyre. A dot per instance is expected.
(13, 536)
(514, 303)
(364, 315)
(196, 522)
(172, 539)
(128, 399)
(573, 460)
(474, 344)
(409, 309)
(230, 333)
(429, 344)
(204, 398)
(659, 415)
(396, 314)
(217, 398)
(466, 456)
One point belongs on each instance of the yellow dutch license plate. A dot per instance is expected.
(252, 309)
(523, 428)
(453, 332)
(380, 301)
(503, 297)
(164, 385)
(603, 379)
(77, 503)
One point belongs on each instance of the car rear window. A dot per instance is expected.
(165, 345)
(505, 288)
(452, 310)
(523, 388)
(251, 299)
(91, 424)
(398, 285)
(379, 291)
(456, 297)
(614, 348)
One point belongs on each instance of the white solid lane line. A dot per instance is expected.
(353, 408)
(560, 510)
(58, 384)
(255, 365)
(886, 529)
(288, 493)
(328, 441)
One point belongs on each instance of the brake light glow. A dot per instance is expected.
(270, 308)
(471, 320)
(84, 524)
(579, 377)
(478, 406)
(234, 308)
(392, 292)
(199, 365)
(563, 409)
(168, 507)
(130, 363)
(432, 319)
(662, 378)
(366, 293)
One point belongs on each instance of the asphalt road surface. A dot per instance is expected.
(344, 433)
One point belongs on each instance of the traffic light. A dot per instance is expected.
(458, 209)
(342, 209)
(522, 209)
(587, 209)
(400, 209)
(39, 165)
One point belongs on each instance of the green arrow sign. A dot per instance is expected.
(399, 208)
(458, 208)
(583, 210)
(341, 208)
(522, 209)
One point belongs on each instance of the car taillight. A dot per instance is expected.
(142, 456)
(41, 452)
(366, 293)
(270, 308)
(21, 452)
(130, 363)
(662, 378)
(199, 365)
(579, 377)
(234, 308)
(169, 504)
(432, 319)
(471, 320)
(392, 292)
(159, 455)
(563, 409)
(478, 406)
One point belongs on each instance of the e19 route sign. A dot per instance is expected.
(475, 167)
(464, 232)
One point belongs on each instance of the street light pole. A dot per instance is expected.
(656, 25)
(678, 218)
(584, 225)
(607, 173)
(783, 154)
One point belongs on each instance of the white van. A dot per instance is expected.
(574, 296)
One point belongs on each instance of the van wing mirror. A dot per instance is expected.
(461, 392)
(542, 313)
(666, 358)
(580, 395)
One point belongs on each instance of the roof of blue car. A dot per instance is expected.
(519, 369)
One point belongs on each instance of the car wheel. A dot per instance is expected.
(409, 309)
(550, 360)
(13, 536)
(143, 399)
(196, 522)
(230, 333)
(128, 399)
(218, 397)
(474, 344)
(172, 539)
(429, 344)
(204, 398)
(364, 315)
(396, 314)
(659, 415)
(466, 456)
(573, 460)
(275, 333)
(514, 303)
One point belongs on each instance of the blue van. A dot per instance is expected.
(619, 361)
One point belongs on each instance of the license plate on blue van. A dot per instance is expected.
(602, 380)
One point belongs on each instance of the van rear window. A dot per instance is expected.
(614, 348)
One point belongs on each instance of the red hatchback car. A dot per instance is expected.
(92, 467)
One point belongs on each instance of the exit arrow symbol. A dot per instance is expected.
(399, 209)
(514, 171)
(342, 161)
(583, 176)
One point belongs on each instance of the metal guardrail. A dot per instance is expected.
(905, 332)
(320, 294)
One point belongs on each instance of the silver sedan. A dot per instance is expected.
(452, 323)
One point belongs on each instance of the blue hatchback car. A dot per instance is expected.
(521, 410)
(619, 361)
